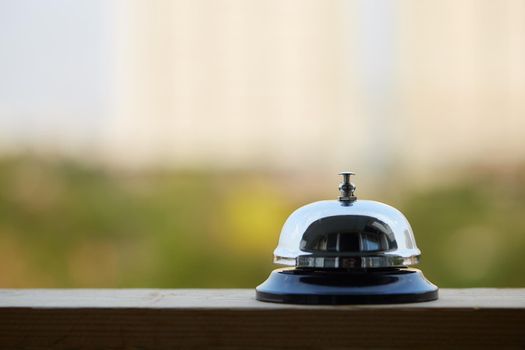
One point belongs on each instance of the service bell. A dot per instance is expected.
(346, 251)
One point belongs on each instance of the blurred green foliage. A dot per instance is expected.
(472, 232)
(67, 224)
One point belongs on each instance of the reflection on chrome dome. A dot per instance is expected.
(347, 233)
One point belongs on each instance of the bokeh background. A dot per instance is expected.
(163, 143)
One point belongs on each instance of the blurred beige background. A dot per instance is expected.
(140, 140)
(415, 84)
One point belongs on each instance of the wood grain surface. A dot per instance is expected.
(232, 318)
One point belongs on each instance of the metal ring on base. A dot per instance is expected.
(371, 286)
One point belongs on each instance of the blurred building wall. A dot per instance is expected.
(420, 84)
(232, 82)
(463, 81)
(417, 85)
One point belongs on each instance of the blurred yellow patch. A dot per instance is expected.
(253, 215)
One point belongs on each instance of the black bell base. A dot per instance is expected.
(315, 287)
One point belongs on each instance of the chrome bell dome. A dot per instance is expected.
(346, 251)
(347, 233)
